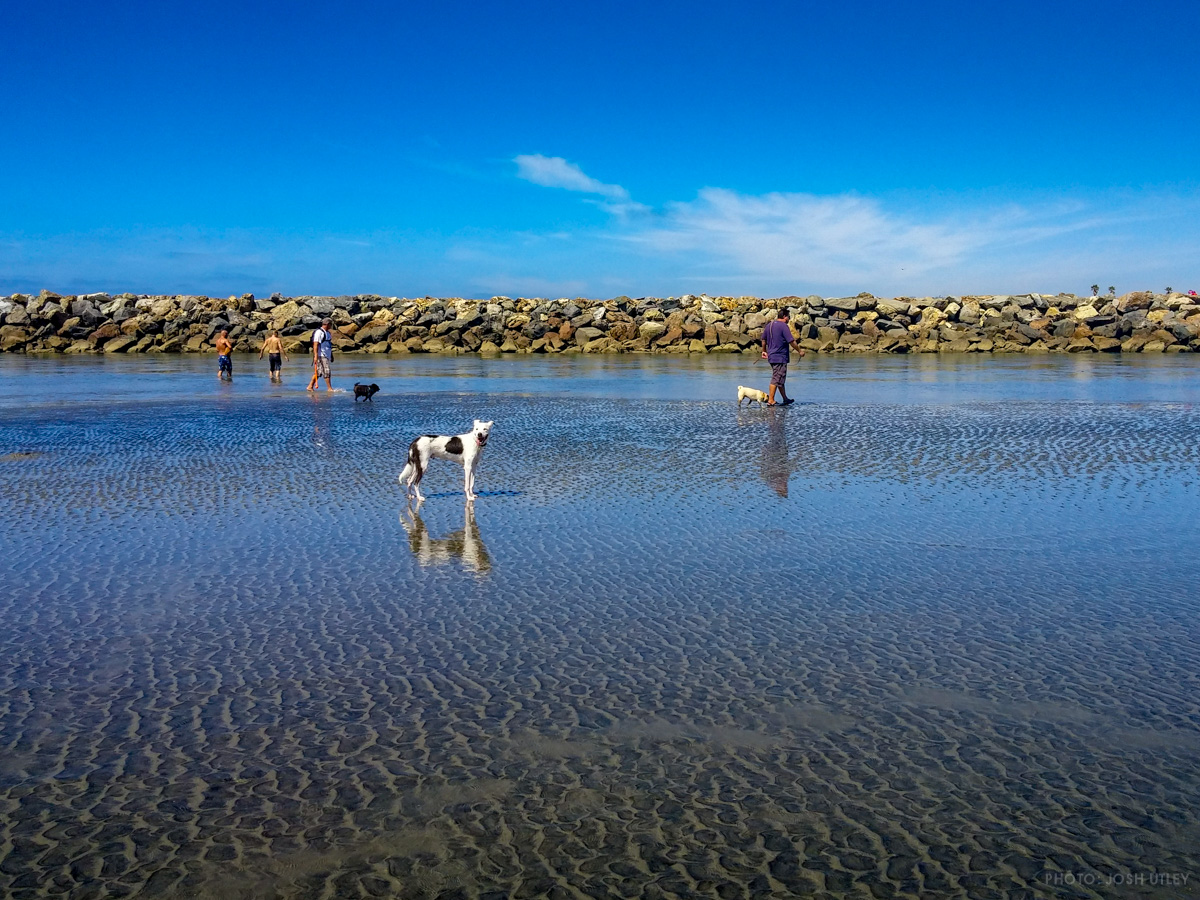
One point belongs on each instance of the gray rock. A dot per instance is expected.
(16, 315)
(892, 306)
(469, 318)
(432, 317)
(845, 304)
(87, 313)
(1064, 328)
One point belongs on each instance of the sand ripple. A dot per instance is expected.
(961, 656)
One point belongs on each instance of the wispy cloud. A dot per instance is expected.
(554, 171)
(720, 241)
(843, 240)
(850, 243)
(796, 242)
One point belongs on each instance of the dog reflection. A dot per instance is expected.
(464, 544)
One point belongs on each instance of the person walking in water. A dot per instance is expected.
(322, 347)
(224, 363)
(777, 342)
(273, 347)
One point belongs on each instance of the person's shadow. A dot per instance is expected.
(465, 544)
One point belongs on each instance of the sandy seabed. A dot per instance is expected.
(674, 650)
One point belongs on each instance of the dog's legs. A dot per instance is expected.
(469, 466)
(421, 462)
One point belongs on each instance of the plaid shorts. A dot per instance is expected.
(778, 373)
(322, 367)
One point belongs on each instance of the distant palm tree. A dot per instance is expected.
(1169, 290)
(1095, 289)
(1111, 289)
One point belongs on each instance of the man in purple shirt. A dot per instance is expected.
(777, 340)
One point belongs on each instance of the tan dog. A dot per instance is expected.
(745, 393)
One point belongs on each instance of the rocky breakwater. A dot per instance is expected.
(100, 323)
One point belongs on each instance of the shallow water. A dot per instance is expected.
(931, 632)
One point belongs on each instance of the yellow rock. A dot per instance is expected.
(1086, 312)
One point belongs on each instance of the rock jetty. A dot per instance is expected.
(1139, 322)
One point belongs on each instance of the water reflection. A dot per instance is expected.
(776, 465)
(465, 544)
(322, 435)
(775, 461)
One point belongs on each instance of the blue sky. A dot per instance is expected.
(555, 149)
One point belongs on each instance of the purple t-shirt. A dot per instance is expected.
(778, 336)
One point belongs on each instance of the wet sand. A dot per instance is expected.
(869, 649)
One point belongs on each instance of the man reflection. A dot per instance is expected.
(775, 465)
(464, 544)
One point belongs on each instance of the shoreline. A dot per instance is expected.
(1138, 322)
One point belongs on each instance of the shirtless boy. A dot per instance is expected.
(224, 363)
(273, 347)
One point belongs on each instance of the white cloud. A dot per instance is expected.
(721, 241)
(554, 171)
(802, 242)
(796, 243)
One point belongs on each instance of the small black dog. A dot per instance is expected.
(366, 391)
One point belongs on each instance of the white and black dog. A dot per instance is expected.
(463, 449)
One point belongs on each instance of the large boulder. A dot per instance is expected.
(651, 330)
(892, 307)
(587, 334)
(103, 334)
(12, 337)
(16, 315)
(86, 312)
(845, 304)
(120, 344)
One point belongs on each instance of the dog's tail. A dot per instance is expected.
(413, 466)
